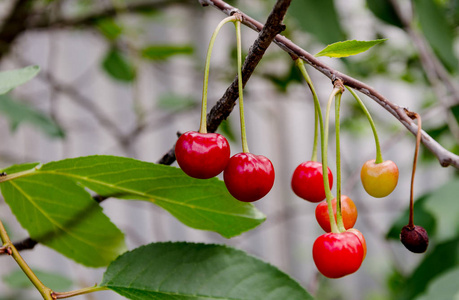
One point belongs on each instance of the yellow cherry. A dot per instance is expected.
(379, 180)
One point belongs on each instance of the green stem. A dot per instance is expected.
(44, 291)
(339, 217)
(316, 134)
(203, 125)
(79, 292)
(19, 174)
(334, 227)
(379, 158)
(245, 147)
(323, 141)
(317, 113)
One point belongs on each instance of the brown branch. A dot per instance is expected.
(44, 22)
(444, 156)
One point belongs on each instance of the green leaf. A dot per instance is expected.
(11, 79)
(348, 48)
(437, 31)
(63, 216)
(202, 204)
(163, 52)
(443, 287)
(385, 11)
(319, 18)
(443, 205)
(19, 113)
(198, 271)
(118, 67)
(58, 282)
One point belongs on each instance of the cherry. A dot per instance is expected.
(338, 254)
(414, 238)
(307, 181)
(202, 155)
(379, 180)
(249, 177)
(348, 212)
(361, 238)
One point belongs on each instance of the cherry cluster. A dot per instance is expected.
(335, 254)
(248, 177)
(342, 249)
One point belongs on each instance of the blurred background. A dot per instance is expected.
(122, 77)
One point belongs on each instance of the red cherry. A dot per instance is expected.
(249, 177)
(338, 254)
(202, 155)
(307, 181)
(379, 180)
(348, 212)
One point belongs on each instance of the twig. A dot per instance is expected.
(444, 156)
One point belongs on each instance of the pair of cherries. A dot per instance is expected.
(247, 177)
(338, 254)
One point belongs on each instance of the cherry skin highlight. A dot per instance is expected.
(338, 254)
(307, 181)
(379, 180)
(249, 177)
(202, 155)
(348, 212)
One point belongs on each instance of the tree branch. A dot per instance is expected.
(444, 156)
(89, 20)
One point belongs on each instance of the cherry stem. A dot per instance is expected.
(339, 218)
(379, 158)
(245, 147)
(317, 113)
(316, 135)
(329, 196)
(416, 152)
(203, 125)
(323, 141)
